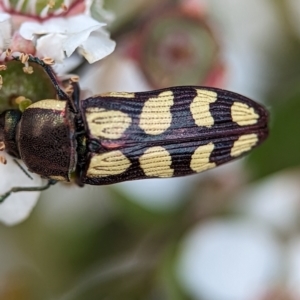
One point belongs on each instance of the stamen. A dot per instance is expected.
(3, 56)
(24, 58)
(51, 3)
(31, 7)
(69, 90)
(74, 78)
(44, 12)
(48, 60)
(19, 5)
(64, 7)
(2, 146)
(6, 4)
(3, 160)
(8, 52)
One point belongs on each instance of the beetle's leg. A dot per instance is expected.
(73, 89)
(76, 95)
(48, 69)
(24, 171)
(27, 189)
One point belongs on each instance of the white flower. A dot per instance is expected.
(249, 256)
(5, 30)
(17, 206)
(58, 38)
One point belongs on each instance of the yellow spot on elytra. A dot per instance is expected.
(118, 95)
(243, 115)
(108, 164)
(156, 115)
(108, 124)
(243, 144)
(49, 104)
(200, 107)
(156, 162)
(200, 158)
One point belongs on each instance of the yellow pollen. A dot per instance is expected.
(51, 3)
(74, 78)
(3, 160)
(69, 90)
(64, 7)
(28, 69)
(2, 146)
(19, 99)
(8, 52)
(24, 58)
(3, 67)
(48, 60)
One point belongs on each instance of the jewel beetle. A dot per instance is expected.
(119, 136)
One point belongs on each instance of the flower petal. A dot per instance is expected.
(51, 45)
(28, 30)
(73, 41)
(97, 46)
(5, 31)
(60, 36)
(18, 206)
(67, 26)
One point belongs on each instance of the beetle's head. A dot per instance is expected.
(9, 120)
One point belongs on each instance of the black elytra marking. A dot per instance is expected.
(183, 136)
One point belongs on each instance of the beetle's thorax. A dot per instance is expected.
(46, 139)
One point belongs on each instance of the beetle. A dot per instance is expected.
(119, 136)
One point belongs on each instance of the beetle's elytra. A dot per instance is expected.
(116, 137)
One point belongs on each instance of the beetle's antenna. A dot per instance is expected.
(27, 189)
(19, 165)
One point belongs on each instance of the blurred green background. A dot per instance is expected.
(231, 233)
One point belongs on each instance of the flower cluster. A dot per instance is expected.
(62, 32)
(55, 32)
